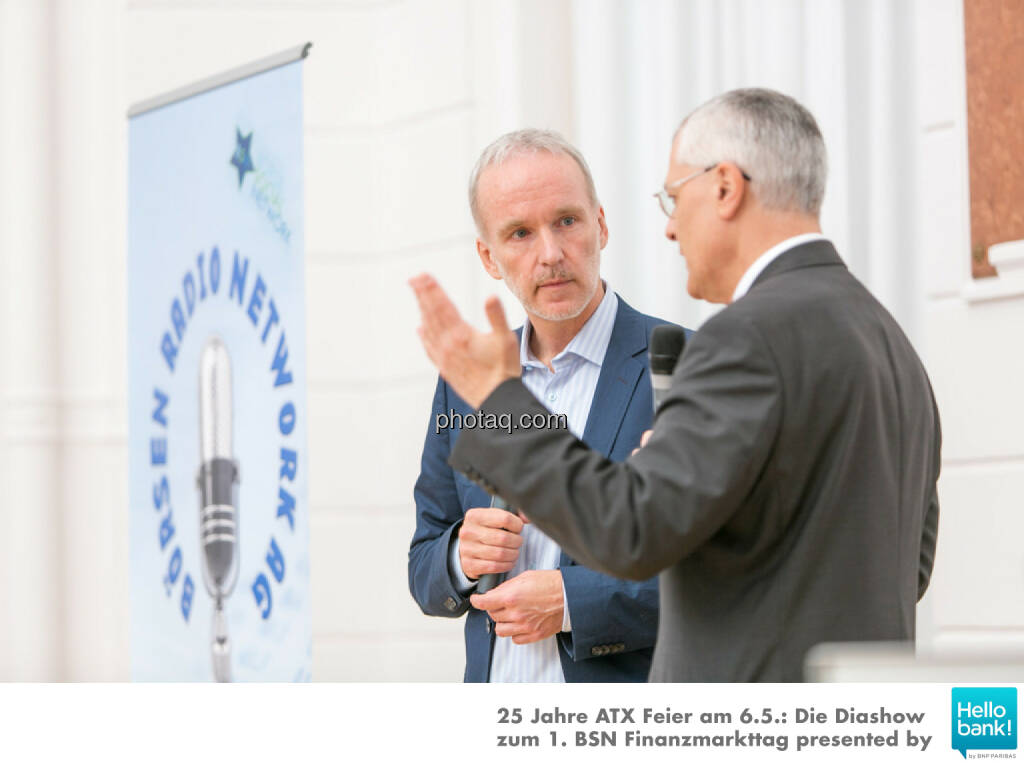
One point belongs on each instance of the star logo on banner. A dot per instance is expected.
(242, 159)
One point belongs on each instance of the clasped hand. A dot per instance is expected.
(527, 608)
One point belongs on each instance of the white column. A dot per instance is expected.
(30, 560)
(90, 286)
(890, 155)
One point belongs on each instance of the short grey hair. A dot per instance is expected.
(770, 136)
(527, 141)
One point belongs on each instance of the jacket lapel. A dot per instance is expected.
(616, 385)
(620, 372)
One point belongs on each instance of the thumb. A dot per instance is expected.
(493, 599)
(482, 600)
(496, 315)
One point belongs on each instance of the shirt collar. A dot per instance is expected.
(758, 265)
(591, 341)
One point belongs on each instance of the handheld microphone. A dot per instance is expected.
(667, 343)
(218, 487)
(494, 579)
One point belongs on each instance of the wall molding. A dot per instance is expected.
(1008, 259)
(39, 417)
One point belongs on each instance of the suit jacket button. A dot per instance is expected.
(487, 625)
(450, 604)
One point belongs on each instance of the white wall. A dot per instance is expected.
(973, 353)
(400, 97)
(639, 68)
(30, 577)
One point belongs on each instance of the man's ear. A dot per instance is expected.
(731, 190)
(604, 227)
(488, 262)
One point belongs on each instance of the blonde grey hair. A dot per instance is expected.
(770, 136)
(528, 141)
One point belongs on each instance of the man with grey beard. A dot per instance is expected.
(582, 354)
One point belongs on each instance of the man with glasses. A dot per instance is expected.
(583, 352)
(787, 493)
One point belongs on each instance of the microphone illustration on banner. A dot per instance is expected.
(666, 346)
(218, 488)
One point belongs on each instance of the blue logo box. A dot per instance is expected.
(984, 719)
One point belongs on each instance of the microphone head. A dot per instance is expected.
(215, 400)
(666, 346)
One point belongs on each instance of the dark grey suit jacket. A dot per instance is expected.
(787, 495)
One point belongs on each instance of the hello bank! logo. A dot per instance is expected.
(985, 719)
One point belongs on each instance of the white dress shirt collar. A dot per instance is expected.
(758, 265)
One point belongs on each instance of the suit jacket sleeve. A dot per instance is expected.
(604, 610)
(930, 527)
(712, 438)
(438, 517)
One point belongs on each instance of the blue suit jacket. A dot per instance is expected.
(614, 622)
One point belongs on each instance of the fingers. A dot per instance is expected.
(521, 607)
(520, 633)
(436, 308)
(428, 346)
(489, 601)
(497, 600)
(486, 535)
(486, 553)
(496, 315)
(643, 441)
(441, 325)
(498, 539)
(477, 559)
(509, 622)
(528, 638)
(473, 363)
(489, 541)
(497, 519)
(476, 569)
(519, 630)
(508, 629)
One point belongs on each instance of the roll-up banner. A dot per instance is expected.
(217, 380)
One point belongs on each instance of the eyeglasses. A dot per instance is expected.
(668, 202)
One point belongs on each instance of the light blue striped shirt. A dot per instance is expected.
(568, 390)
